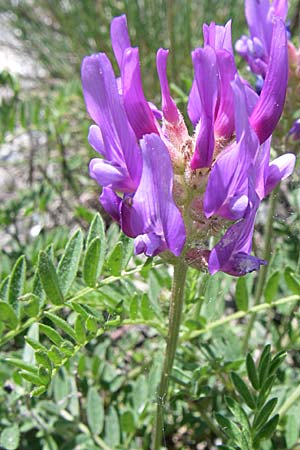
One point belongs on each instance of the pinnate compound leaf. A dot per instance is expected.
(16, 283)
(243, 390)
(49, 279)
(95, 411)
(252, 372)
(10, 438)
(92, 263)
(241, 294)
(8, 315)
(68, 265)
(272, 286)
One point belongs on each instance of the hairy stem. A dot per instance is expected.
(175, 312)
(264, 269)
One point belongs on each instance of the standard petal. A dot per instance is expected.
(153, 211)
(206, 76)
(138, 111)
(279, 169)
(119, 37)
(106, 109)
(268, 109)
(169, 107)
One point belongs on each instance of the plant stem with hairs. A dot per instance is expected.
(175, 313)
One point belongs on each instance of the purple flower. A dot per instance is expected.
(171, 191)
(260, 15)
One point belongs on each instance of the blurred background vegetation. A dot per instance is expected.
(45, 191)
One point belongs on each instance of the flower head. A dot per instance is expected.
(169, 190)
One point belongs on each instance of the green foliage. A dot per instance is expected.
(75, 330)
(246, 431)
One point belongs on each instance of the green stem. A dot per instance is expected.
(175, 312)
(238, 315)
(264, 269)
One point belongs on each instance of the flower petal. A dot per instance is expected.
(232, 253)
(227, 186)
(111, 202)
(194, 104)
(280, 8)
(279, 169)
(259, 23)
(119, 37)
(138, 111)
(169, 107)
(268, 109)
(106, 109)
(224, 123)
(96, 140)
(206, 76)
(106, 174)
(153, 215)
(218, 36)
(261, 166)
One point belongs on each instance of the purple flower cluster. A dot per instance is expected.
(171, 191)
(260, 16)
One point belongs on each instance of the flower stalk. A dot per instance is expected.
(175, 313)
